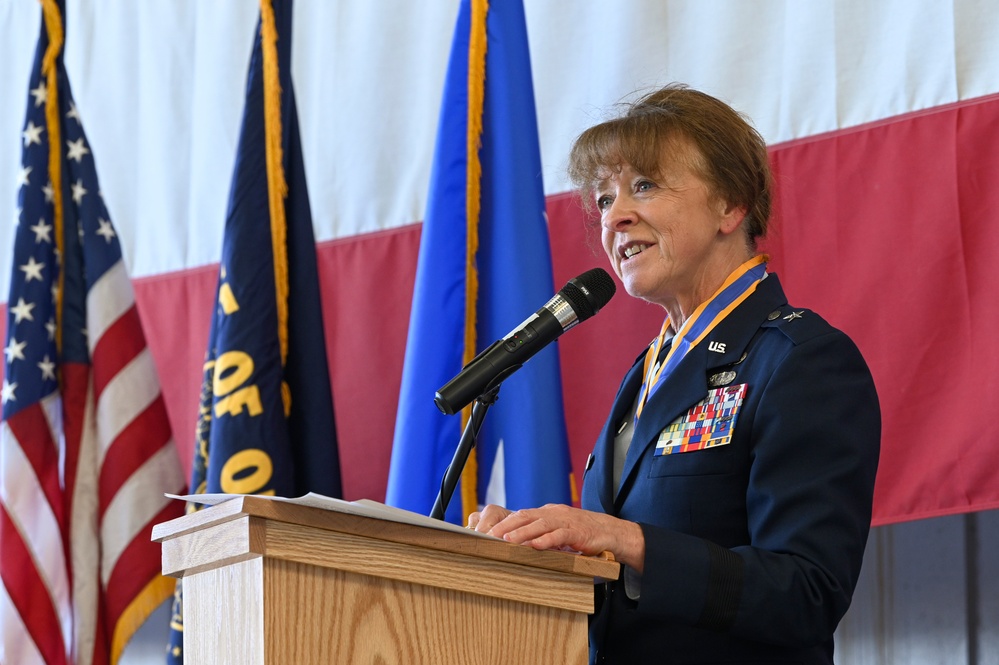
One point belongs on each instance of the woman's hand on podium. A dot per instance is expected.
(560, 527)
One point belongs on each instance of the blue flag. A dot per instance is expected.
(484, 266)
(266, 423)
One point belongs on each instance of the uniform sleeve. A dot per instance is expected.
(814, 454)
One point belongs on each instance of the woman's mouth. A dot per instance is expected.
(631, 250)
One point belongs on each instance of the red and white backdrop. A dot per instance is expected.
(883, 119)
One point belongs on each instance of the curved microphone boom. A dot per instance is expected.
(579, 299)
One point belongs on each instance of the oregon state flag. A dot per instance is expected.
(266, 423)
(484, 266)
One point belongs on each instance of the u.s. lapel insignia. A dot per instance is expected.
(707, 424)
(721, 379)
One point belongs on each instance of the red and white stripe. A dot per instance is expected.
(33, 559)
(101, 454)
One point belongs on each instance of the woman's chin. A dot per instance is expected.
(643, 291)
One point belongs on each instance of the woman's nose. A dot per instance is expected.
(618, 215)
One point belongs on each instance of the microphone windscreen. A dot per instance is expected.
(589, 292)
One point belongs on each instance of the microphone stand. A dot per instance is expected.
(465, 445)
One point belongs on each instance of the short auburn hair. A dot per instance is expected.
(676, 125)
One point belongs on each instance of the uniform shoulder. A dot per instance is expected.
(798, 324)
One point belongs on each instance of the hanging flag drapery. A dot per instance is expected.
(85, 446)
(266, 423)
(484, 266)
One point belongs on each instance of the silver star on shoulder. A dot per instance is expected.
(794, 315)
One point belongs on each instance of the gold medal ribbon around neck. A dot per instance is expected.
(737, 287)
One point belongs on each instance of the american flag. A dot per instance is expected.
(85, 446)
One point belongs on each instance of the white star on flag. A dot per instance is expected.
(76, 149)
(40, 94)
(15, 350)
(73, 113)
(32, 134)
(32, 269)
(106, 230)
(78, 192)
(22, 310)
(8, 391)
(48, 368)
(22, 177)
(42, 230)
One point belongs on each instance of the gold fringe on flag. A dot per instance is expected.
(53, 26)
(277, 186)
(144, 604)
(473, 190)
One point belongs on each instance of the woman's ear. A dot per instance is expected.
(731, 216)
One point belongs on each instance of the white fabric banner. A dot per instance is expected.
(160, 88)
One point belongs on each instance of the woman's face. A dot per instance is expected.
(663, 236)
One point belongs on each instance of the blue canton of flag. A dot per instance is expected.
(522, 455)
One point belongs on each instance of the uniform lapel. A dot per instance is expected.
(685, 387)
(602, 472)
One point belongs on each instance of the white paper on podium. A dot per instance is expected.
(361, 507)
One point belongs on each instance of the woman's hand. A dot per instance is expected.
(487, 518)
(560, 527)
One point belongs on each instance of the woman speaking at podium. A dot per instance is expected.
(734, 476)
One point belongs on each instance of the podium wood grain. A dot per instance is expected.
(268, 582)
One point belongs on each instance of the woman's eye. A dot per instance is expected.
(603, 202)
(644, 185)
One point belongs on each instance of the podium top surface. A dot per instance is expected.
(456, 541)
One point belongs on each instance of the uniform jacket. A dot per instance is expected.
(753, 548)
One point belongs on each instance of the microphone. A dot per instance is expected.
(579, 299)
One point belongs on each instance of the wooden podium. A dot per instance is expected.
(269, 582)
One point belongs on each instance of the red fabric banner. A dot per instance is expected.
(884, 229)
